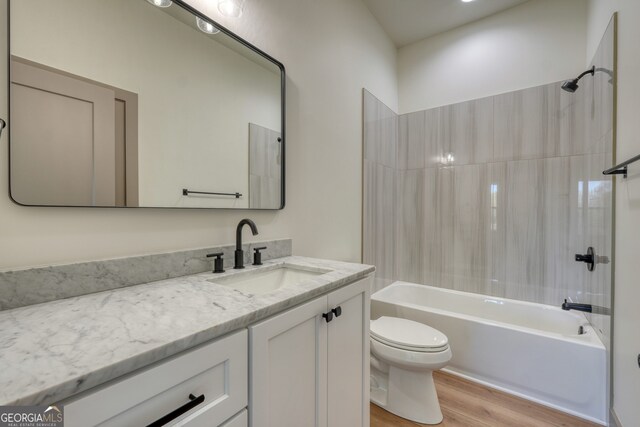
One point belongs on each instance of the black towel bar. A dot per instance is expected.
(621, 169)
(186, 192)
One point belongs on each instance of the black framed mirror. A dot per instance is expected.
(140, 104)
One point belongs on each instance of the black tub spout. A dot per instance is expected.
(587, 308)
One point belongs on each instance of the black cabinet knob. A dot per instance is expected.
(328, 316)
(337, 311)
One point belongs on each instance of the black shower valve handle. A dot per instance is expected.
(589, 258)
(584, 258)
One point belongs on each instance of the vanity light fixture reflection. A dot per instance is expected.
(161, 3)
(231, 8)
(206, 27)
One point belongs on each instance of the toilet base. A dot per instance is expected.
(410, 395)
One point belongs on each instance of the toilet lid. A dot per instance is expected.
(407, 334)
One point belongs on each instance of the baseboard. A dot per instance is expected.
(613, 419)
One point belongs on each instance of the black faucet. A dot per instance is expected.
(239, 254)
(575, 306)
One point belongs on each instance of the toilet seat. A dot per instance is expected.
(408, 335)
(410, 360)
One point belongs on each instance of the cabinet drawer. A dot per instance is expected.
(217, 370)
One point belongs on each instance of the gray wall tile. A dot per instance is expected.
(437, 199)
(524, 219)
(533, 123)
(466, 131)
(412, 141)
(265, 168)
(380, 131)
(471, 230)
(384, 222)
(379, 187)
(497, 229)
(410, 226)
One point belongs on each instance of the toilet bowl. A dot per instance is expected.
(404, 355)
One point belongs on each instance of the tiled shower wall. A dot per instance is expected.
(495, 195)
(380, 147)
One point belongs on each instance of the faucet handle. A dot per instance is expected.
(218, 262)
(257, 256)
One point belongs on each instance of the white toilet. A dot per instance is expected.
(404, 355)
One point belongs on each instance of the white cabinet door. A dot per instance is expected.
(288, 368)
(348, 356)
(307, 372)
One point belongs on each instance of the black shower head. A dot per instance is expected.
(572, 85)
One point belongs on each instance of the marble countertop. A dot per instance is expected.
(54, 350)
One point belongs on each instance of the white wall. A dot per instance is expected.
(626, 335)
(533, 44)
(332, 49)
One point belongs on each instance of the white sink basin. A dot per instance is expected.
(268, 279)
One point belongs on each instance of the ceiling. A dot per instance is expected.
(407, 21)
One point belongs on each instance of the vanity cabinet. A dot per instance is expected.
(310, 365)
(206, 385)
(307, 366)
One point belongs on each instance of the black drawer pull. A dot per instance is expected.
(195, 401)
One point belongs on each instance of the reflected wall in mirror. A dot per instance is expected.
(126, 104)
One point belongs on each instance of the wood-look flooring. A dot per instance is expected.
(468, 404)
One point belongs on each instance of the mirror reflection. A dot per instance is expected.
(140, 103)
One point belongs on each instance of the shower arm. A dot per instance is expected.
(591, 71)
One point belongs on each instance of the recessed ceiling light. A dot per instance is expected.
(232, 8)
(467, 1)
(161, 3)
(206, 27)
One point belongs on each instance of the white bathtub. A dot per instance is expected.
(531, 350)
